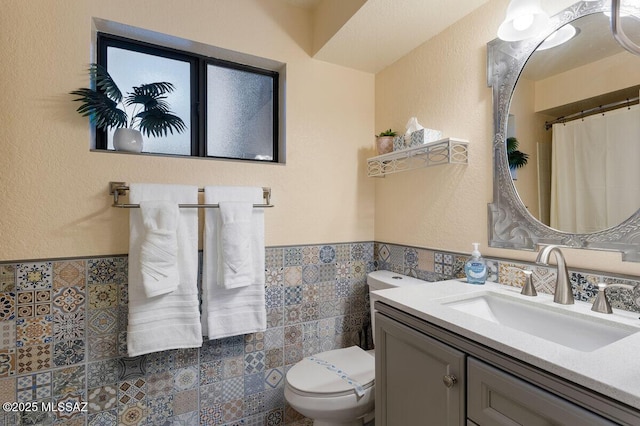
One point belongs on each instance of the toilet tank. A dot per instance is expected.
(380, 280)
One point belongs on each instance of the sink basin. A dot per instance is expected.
(570, 329)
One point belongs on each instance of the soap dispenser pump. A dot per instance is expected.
(476, 267)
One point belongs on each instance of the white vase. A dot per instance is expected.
(127, 140)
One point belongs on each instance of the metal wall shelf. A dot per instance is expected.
(443, 151)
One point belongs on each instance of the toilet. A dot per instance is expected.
(337, 387)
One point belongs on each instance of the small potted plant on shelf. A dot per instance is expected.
(384, 141)
(106, 107)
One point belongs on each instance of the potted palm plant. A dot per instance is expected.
(107, 108)
(516, 158)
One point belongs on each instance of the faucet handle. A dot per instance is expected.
(601, 304)
(528, 289)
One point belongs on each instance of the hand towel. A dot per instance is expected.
(232, 311)
(159, 248)
(234, 251)
(171, 320)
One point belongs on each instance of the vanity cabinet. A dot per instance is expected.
(419, 380)
(427, 375)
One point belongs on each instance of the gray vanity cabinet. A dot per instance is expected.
(498, 398)
(426, 375)
(419, 380)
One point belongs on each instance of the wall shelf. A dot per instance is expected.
(443, 151)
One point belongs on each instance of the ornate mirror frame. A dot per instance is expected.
(510, 223)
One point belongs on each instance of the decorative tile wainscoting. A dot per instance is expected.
(63, 336)
(63, 340)
(433, 265)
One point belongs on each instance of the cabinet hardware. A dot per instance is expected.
(449, 380)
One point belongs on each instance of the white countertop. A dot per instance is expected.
(613, 370)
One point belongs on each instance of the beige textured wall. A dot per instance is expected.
(443, 83)
(53, 190)
(606, 75)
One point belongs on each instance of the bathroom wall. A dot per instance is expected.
(54, 191)
(63, 340)
(444, 84)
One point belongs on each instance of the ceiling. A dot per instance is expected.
(380, 32)
(370, 35)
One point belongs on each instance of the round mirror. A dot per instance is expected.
(584, 192)
(574, 118)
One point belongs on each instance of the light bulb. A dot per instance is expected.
(523, 21)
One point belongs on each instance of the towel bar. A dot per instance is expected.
(116, 189)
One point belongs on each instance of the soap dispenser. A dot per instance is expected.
(476, 267)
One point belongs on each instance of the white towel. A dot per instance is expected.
(234, 251)
(232, 311)
(172, 320)
(159, 248)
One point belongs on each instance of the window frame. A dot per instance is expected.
(198, 92)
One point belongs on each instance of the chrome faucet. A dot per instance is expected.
(563, 293)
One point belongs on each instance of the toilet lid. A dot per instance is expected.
(337, 371)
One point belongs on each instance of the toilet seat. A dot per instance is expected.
(333, 373)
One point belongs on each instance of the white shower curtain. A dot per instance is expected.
(595, 171)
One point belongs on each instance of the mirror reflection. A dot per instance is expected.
(575, 113)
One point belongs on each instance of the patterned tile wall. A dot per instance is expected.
(63, 342)
(433, 265)
(63, 336)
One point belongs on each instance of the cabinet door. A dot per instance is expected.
(419, 381)
(497, 398)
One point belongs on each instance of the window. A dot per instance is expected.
(230, 110)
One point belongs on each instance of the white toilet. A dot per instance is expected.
(337, 387)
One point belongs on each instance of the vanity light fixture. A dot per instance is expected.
(559, 37)
(525, 18)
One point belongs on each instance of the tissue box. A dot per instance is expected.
(399, 143)
(423, 136)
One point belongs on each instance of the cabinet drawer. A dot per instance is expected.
(497, 398)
